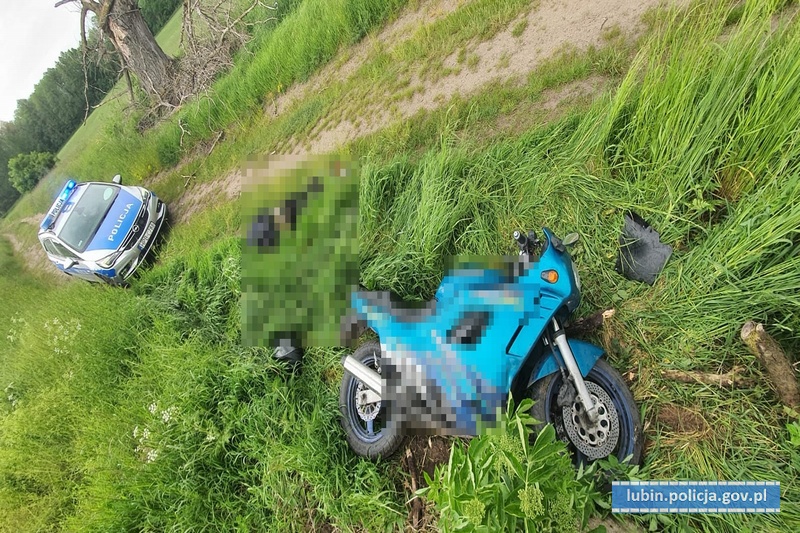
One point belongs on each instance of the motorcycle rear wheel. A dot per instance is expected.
(367, 431)
(547, 411)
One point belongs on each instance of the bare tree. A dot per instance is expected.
(123, 23)
(212, 31)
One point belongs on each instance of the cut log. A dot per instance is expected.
(728, 379)
(769, 352)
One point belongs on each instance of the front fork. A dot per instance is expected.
(560, 340)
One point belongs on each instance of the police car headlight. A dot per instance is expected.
(109, 261)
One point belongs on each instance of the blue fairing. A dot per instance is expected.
(117, 223)
(459, 386)
(586, 355)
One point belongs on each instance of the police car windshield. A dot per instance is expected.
(86, 216)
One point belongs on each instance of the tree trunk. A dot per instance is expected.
(139, 49)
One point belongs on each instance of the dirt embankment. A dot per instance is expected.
(552, 26)
(33, 256)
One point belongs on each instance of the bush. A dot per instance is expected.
(505, 483)
(25, 170)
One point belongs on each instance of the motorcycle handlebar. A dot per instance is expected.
(527, 244)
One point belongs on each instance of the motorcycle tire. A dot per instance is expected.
(367, 433)
(547, 411)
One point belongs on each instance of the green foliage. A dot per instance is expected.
(505, 482)
(156, 13)
(364, 15)
(793, 427)
(58, 103)
(46, 120)
(25, 170)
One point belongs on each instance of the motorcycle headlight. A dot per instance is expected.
(577, 277)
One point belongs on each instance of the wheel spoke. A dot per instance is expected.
(370, 427)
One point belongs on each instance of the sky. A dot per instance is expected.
(33, 34)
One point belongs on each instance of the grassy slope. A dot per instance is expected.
(682, 141)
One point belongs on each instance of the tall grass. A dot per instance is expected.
(140, 409)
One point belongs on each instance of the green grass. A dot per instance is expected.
(698, 138)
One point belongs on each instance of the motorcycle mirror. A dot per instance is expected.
(117, 179)
(570, 239)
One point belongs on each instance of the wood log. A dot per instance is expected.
(728, 379)
(769, 352)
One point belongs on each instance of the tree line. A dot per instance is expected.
(46, 120)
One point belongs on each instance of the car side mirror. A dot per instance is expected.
(117, 179)
(69, 264)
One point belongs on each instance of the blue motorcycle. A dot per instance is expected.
(448, 367)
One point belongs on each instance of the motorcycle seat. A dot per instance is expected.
(408, 312)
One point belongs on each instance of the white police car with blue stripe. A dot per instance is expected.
(101, 231)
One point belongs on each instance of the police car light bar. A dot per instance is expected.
(58, 204)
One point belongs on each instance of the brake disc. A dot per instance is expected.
(366, 410)
(593, 439)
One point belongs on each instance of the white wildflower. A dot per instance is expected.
(152, 455)
(168, 414)
(152, 408)
(145, 434)
(136, 432)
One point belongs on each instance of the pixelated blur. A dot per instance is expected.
(300, 253)
(446, 365)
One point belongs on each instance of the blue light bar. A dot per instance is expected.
(58, 204)
(67, 189)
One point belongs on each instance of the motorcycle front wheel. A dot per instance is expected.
(366, 425)
(618, 430)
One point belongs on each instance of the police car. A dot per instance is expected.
(101, 231)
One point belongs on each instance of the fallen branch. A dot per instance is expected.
(219, 136)
(589, 323)
(728, 379)
(416, 505)
(184, 131)
(769, 352)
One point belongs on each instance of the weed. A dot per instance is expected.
(520, 27)
(505, 482)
